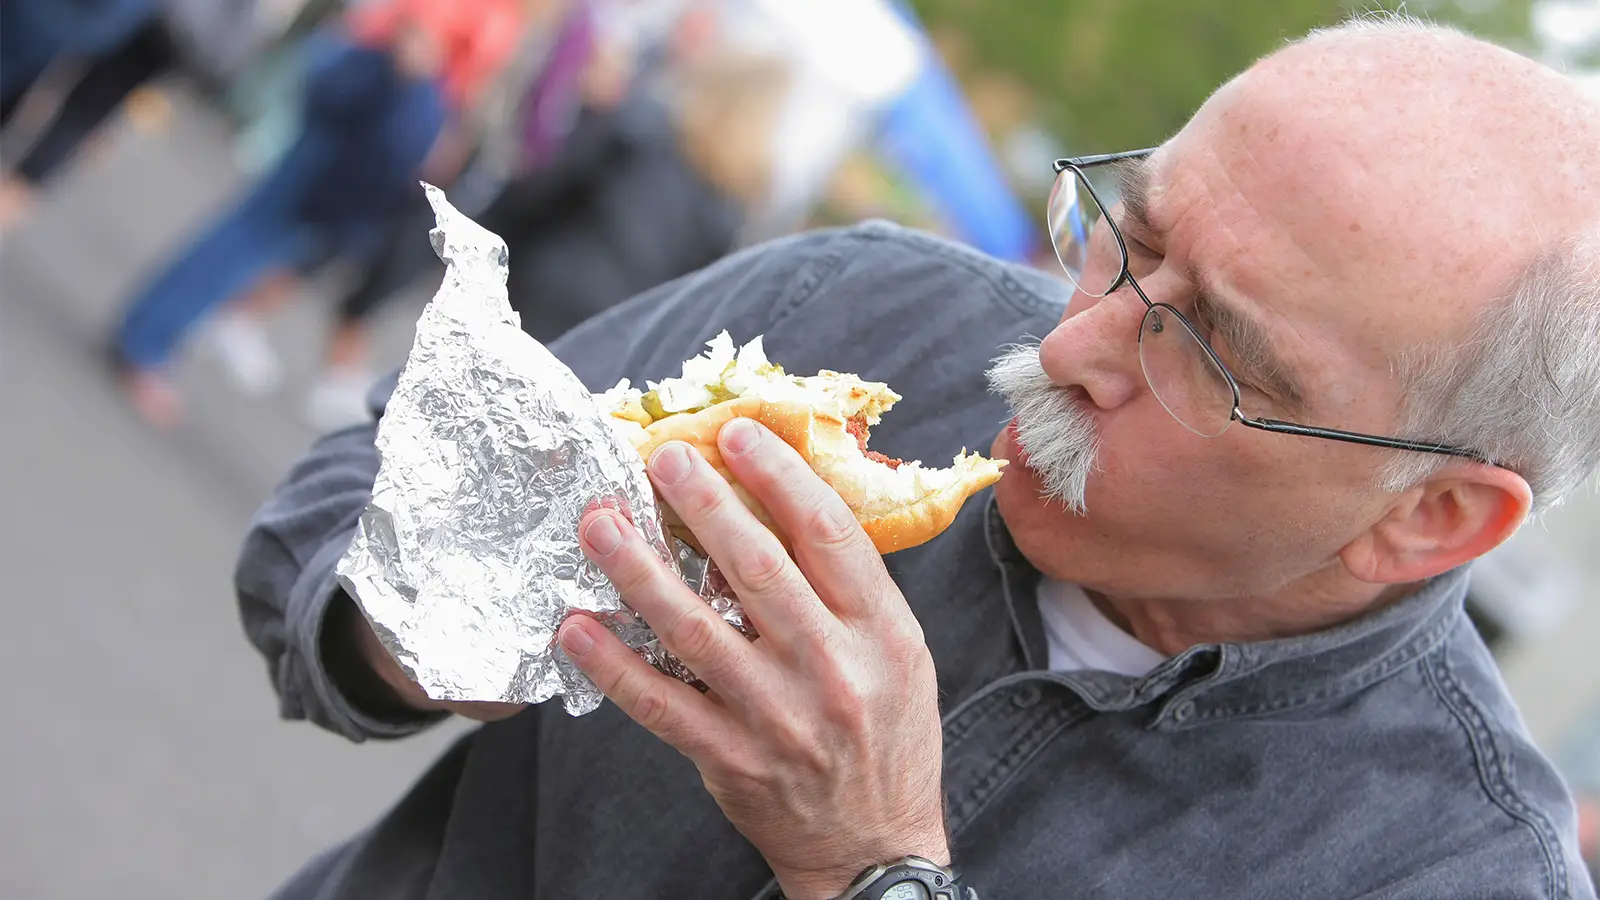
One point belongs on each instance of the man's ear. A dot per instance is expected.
(1454, 517)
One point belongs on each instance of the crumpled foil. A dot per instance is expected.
(466, 560)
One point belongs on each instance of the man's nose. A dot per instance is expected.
(1096, 348)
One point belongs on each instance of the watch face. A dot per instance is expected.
(906, 890)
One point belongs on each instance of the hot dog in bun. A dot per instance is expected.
(826, 417)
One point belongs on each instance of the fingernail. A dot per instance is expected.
(575, 639)
(740, 435)
(671, 463)
(603, 535)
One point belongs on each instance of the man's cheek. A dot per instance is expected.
(1133, 461)
(1111, 462)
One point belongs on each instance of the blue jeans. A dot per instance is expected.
(261, 234)
(268, 229)
(256, 237)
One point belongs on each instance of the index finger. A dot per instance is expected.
(830, 546)
(773, 590)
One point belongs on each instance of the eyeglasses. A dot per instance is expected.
(1183, 372)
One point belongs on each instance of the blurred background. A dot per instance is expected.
(211, 241)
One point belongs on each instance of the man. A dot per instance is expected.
(1157, 663)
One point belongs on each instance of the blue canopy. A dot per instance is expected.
(931, 136)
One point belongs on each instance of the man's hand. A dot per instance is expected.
(820, 740)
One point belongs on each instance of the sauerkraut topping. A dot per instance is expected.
(725, 373)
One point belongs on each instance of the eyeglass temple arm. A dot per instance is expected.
(1084, 162)
(1354, 437)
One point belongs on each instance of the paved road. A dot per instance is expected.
(144, 758)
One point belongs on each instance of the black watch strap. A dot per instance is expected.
(908, 878)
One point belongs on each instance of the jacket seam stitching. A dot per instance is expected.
(1007, 288)
(964, 720)
(815, 274)
(1494, 769)
(1025, 299)
(1386, 668)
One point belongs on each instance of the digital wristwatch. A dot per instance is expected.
(907, 878)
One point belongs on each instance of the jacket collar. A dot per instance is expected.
(1209, 682)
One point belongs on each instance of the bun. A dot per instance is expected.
(825, 418)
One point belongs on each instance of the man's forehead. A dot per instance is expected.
(1298, 303)
(1253, 287)
(1373, 226)
(1476, 131)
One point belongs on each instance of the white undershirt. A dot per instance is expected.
(1081, 638)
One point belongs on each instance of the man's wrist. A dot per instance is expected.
(359, 666)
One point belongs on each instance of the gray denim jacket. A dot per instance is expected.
(1378, 759)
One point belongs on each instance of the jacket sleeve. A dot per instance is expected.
(284, 576)
(285, 584)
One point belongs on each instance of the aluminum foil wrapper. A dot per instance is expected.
(467, 559)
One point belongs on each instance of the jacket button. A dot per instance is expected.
(1184, 712)
(1026, 697)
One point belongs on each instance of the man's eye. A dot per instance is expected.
(1138, 247)
(1250, 385)
(1246, 382)
(1142, 260)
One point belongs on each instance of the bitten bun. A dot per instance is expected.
(824, 417)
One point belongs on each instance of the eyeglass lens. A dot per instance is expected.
(1182, 375)
(1074, 217)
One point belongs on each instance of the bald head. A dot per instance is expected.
(1460, 161)
(1388, 220)
(1392, 199)
(1508, 152)
(1488, 129)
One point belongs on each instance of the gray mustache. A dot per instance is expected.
(1052, 425)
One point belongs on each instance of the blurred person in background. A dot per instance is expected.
(642, 192)
(67, 67)
(260, 89)
(648, 185)
(1578, 756)
(1589, 830)
(519, 121)
(379, 90)
(1167, 657)
(852, 59)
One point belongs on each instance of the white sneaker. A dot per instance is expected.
(242, 347)
(339, 399)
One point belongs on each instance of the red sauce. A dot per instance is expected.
(875, 456)
(857, 426)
